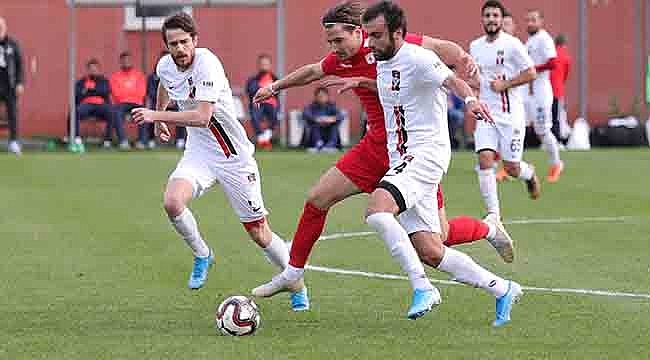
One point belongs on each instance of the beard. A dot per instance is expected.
(489, 32)
(532, 31)
(387, 53)
(183, 62)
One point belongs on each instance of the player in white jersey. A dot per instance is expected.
(412, 83)
(539, 101)
(504, 65)
(217, 148)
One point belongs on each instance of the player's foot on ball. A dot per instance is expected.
(501, 241)
(200, 271)
(534, 187)
(300, 300)
(502, 175)
(423, 301)
(279, 284)
(554, 172)
(504, 304)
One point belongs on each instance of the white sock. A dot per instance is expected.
(293, 273)
(487, 183)
(525, 171)
(492, 230)
(277, 252)
(399, 245)
(552, 147)
(465, 270)
(185, 224)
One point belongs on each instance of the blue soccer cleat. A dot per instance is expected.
(504, 303)
(423, 301)
(200, 271)
(300, 300)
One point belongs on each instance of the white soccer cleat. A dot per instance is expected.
(501, 241)
(14, 147)
(277, 285)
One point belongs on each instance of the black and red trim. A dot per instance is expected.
(402, 136)
(505, 98)
(222, 137)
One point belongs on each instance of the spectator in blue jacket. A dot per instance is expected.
(455, 117)
(92, 95)
(322, 119)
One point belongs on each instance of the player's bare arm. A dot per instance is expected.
(463, 90)
(351, 83)
(524, 77)
(302, 76)
(162, 101)
(453, 55)
(198, 117)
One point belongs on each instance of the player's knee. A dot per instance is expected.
(174, 205)
(321, 199)
(257, 230)
(486, 159)
(432, 255)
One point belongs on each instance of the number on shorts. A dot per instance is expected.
(515, 145)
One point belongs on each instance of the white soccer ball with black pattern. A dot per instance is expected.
(238, 316)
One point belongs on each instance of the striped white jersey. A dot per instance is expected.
(504, 58)
(205, 80)
(541, 49)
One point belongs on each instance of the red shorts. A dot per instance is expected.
(366, 163)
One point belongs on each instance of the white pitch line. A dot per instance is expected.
(523, 221)
(447, 282)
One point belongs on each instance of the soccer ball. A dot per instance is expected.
(237, 316)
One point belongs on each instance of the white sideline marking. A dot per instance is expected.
(523, 221)
(447, 282)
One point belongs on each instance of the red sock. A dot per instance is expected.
(309, 230)
(465, 229)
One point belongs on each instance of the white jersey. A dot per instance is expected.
(206, 80)
(504, 58)
(541, 49)
(415, 104)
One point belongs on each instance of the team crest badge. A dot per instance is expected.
(370, 58)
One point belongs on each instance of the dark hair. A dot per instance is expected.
(181, 21)
(346, 13)
(506, 13)
(92, 61)
(561, 39)
(392, 13)
(320, 89)
(494, 4)
(263, 56)
(125, 53)
(537, 11)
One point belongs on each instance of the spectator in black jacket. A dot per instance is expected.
(269, 108)
(92, 95)
(11, 82)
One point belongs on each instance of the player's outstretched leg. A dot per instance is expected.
(275, 250)
(177, 195)
(465, 229)
(381, 211)
(331, 188)
(552, 148)
(526, 173)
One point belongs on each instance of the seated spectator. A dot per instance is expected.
(269, 108)
(92, 96)
(322, 120)
(128, 88)
(455, 117)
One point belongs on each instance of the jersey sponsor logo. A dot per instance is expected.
(395, 81)
(207, 83)
(252, 178)
(345, 66)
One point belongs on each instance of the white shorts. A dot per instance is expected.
(240, 182)
(506, 136)
(539, 113)
(414, 184)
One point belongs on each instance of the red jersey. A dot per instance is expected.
(560, 72)
(363, 64)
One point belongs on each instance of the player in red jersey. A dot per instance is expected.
(363, 166)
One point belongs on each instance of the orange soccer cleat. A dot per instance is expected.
(554, 172)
